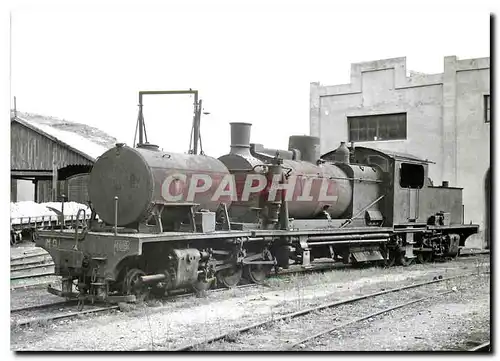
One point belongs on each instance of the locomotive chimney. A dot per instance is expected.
(240, 138)
(307, 145)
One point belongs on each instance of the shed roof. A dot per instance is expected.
(87, 141)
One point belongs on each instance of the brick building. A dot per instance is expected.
(441, 117)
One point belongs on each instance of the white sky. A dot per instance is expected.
(250, 63)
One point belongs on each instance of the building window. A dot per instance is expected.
(487, 108)
(377, 127)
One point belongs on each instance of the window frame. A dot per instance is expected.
(409, 174)
(380, 124)
(487, 108)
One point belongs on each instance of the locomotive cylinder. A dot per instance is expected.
(142, 177)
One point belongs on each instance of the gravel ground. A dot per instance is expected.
(456, 322)
(31, 297)
(179, 323)
(282, 334)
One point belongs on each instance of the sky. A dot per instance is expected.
(250, 63)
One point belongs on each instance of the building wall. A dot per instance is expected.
(473, 135)
(445, 118)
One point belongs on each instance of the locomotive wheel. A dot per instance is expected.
(257, 273)
(202, 285)
(390, 258)
(132, 284)
(12, 239)
(424, 257)
(230, 277)
(403, 260)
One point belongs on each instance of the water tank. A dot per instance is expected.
(137, 176)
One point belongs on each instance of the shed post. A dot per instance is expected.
(54, 182)
(13, 190)
(35, 182)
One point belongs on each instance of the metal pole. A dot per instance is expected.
(361, 211)
(10, 59)
(116, 215)
(196, 117)
(196, 125)
(140, 120)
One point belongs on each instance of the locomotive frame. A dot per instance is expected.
(394, 215)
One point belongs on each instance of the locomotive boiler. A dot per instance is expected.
(313, 189)
(155, 234)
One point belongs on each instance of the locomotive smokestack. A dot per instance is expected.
(240, 138)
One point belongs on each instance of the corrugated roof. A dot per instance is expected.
(87, 141)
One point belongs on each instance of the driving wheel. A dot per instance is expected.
(257, 273)
(132, 284)
(230, 277)
(202, 285)
(424, 257)
(403, 260)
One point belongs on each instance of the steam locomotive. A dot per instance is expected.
(170, 221)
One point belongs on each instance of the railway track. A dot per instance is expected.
(32, 275)
(28, 265)
(20, 268)
(29, 256)
(484, 347)
(62, 315)
(48, 307)
(269, 324)
(42, 306)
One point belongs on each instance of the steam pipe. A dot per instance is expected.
(346, 242)
(349, 237)
(116, 215)
(153, 278)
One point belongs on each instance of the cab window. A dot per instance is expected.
(411, 175)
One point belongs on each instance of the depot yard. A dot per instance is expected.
(454, 321)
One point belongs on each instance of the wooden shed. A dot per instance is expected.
(54, 155)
